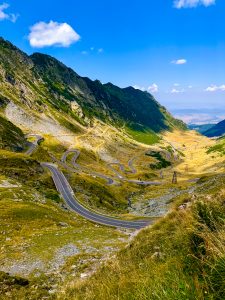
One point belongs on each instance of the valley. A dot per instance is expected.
(102, 190)
(82, 244)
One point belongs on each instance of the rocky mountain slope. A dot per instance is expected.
(41, 83)
(50, 252)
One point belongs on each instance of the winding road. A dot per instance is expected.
(122, 167)
(108, 179)
(66, 192)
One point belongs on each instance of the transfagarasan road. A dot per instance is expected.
(76, 153)
(66, 192)
(110, 166)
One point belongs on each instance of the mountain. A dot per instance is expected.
(67, 141)
(216, 130)
(200, 128)
(41, 83)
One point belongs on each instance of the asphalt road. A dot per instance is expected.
(34, 144)
(108, 179)
(66, 192)
(122, 167)
(110, 166)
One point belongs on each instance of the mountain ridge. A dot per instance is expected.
(83, 128)
(217, 130)
(40, 80)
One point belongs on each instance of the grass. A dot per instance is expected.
(69, 124)
(19, 166)
(161, 161)
(49, 146)
(180, 257)
(97, 195)
(16, 287)
(11, 137)
(31, 232)
(30, 220)
(218, 148)
(144, 136)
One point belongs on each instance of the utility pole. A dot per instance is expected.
(174, 180)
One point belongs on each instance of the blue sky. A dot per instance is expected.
(174, 49)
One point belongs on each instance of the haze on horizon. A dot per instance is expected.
(175, 49)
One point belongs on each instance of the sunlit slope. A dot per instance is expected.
(181, 256)
(42, 86)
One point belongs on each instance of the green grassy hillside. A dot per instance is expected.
(180, 257)
(11, 137)
(50, 252)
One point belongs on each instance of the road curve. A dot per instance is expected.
(109, 180)
(34, 144)
(122, 167)
(66, 192)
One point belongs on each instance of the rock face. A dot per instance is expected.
(158, 207)
(40, 83)
(77, 109)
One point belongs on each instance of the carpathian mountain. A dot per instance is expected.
(216, 130)
(40, 84)
(79, 132)
(200, 128)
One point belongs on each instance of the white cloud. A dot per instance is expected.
(5, 16)
(52, 34)
(192, 3)
(153, 88)
(199, 118)
(215, 88)
(176, 84)
(181, 61)
(137, 87)
(190, 86)
(84, 52)
(176, 91)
